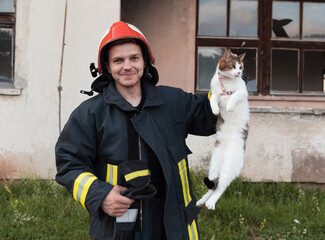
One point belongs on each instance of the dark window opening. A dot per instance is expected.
(314, 71)
(284, 43)
(7, 30)
(284, 70)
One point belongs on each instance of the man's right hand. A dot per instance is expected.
(114, 204)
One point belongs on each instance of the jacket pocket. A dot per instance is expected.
(179, 151)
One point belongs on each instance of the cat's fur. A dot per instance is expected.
(231, 104)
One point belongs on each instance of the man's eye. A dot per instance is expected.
(135, 58)
(117, 60)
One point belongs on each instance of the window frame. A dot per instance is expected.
(264, 43)
(8, 20)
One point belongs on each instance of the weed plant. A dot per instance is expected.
(42, 209)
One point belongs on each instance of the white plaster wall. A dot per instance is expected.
(29, 123)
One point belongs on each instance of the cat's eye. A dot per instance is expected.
(234, 66)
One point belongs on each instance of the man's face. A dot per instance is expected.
(126, 65)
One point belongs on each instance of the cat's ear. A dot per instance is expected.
(227, 53)
(241, 57)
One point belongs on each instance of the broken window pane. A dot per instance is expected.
(243, 18)
(6, 54)
(7, 6)
(284, 70)
(207, 63)
(314, 20)
(314, 68)
(285, 19)
(212, 17)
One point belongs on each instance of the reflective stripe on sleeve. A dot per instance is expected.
(136, 174)
(111, 176)
(81, 187)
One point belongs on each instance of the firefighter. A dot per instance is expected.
(122, 153)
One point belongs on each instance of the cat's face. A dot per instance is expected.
(231, 65)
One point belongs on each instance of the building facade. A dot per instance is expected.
(284, 42)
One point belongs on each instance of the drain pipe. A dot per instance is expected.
(61, 64)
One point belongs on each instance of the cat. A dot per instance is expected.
(228, 100)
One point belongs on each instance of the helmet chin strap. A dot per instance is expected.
(152, 74)
(93, 70)
(99, 83)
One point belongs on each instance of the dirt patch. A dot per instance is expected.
(308, 166)
(7, 169)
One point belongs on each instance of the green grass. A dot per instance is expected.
(41, 209)
(263, 211)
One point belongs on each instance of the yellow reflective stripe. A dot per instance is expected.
(192, 228)
(184, 179)
(81, 187)
(77, 182)
(115, 175)
(209, 94)
(192, 231)
(85, 191)
(111, 176)
(136, 174)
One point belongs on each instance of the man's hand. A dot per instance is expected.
(115, 204)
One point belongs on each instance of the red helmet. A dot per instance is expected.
(122, 30)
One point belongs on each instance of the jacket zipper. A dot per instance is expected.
(141, 222)
(140, 158)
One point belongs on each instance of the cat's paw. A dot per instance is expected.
(214, 105)
(210, 204)
(201, 201)
(199, 204)
(215, 109)
(230, 107)
(204, 198)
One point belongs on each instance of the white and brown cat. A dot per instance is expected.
(229, 101)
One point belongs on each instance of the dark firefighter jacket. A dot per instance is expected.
(94, 142)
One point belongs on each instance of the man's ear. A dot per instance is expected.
(107, 68)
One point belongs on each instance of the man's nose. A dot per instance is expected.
(127, 64)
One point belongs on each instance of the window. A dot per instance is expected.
(7, 30)
(284, 43)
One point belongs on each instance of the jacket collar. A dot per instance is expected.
(152, 96)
